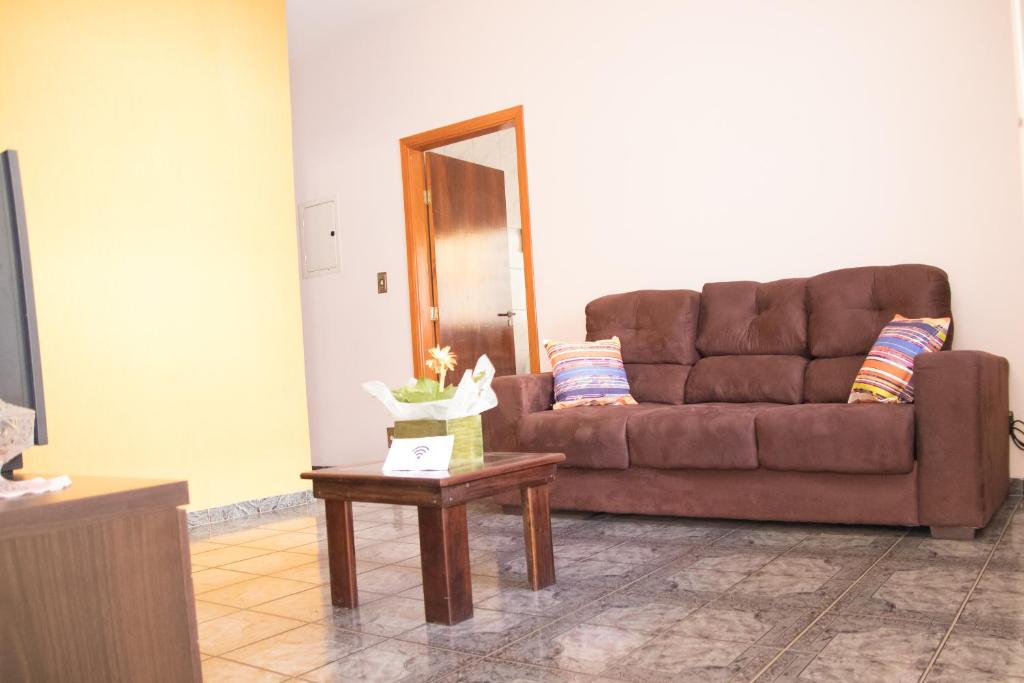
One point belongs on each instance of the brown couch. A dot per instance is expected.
(742, 409)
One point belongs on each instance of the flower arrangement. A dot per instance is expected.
(429, 407)
(441, 361)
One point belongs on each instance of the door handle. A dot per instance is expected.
(508, 314)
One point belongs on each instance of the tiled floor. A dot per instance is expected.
(637, 599)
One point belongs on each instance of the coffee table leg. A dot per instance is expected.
(341, 553)
(540, 557)
(444, 556)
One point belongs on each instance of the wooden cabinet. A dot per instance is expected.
(96, 585)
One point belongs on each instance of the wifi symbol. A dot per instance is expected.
(420, 451)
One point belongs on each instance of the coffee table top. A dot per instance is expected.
(494, 464)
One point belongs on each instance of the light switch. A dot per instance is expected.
(319, 234)
(382, 283)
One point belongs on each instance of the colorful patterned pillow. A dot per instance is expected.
(588, 373)
(888, 371)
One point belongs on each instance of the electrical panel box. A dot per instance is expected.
(318, 230)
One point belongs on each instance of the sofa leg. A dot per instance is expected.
(953, 533)
(511, 510)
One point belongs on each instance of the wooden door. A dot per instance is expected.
(469, 235)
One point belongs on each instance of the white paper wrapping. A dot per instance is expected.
(471, 398)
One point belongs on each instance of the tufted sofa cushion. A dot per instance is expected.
(654, 326)
(658, 331)
(746, 318)
(848, 308)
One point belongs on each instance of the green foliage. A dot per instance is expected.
(422, 391)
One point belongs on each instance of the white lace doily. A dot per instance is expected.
(17, 429)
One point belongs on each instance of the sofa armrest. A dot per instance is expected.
(517, 396)
(961, 408)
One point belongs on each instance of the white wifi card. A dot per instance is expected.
(428, 453)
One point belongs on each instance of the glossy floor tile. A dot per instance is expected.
(637, 599)
(224, 671)
(296, 651)
(235, 630)
(391, 660)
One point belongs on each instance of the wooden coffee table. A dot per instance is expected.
(441, 499)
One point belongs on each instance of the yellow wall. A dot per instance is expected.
(155, 146)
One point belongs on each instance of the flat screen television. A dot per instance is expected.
(21, 378)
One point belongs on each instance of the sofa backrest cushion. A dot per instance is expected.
(832, 319)
(848, 308)
(654, 326)
(828, 380)
(753, 318)
(658, 331)
(747, 379)
(657, 382)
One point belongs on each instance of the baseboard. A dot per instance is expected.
(248, 508)
(259, 506)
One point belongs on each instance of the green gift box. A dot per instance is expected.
(468, 432)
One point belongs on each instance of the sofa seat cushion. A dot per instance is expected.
(712, 436)
(855, 438)
(592, 437)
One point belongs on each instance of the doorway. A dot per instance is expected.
(468, 243)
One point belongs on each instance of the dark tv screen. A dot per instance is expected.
(20, 373)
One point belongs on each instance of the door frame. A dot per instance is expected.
(422, 280)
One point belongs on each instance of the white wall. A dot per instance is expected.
(685, 141)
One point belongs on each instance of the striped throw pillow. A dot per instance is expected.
(888, 371)
(588, 373)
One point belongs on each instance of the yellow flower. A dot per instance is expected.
(441, 360)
